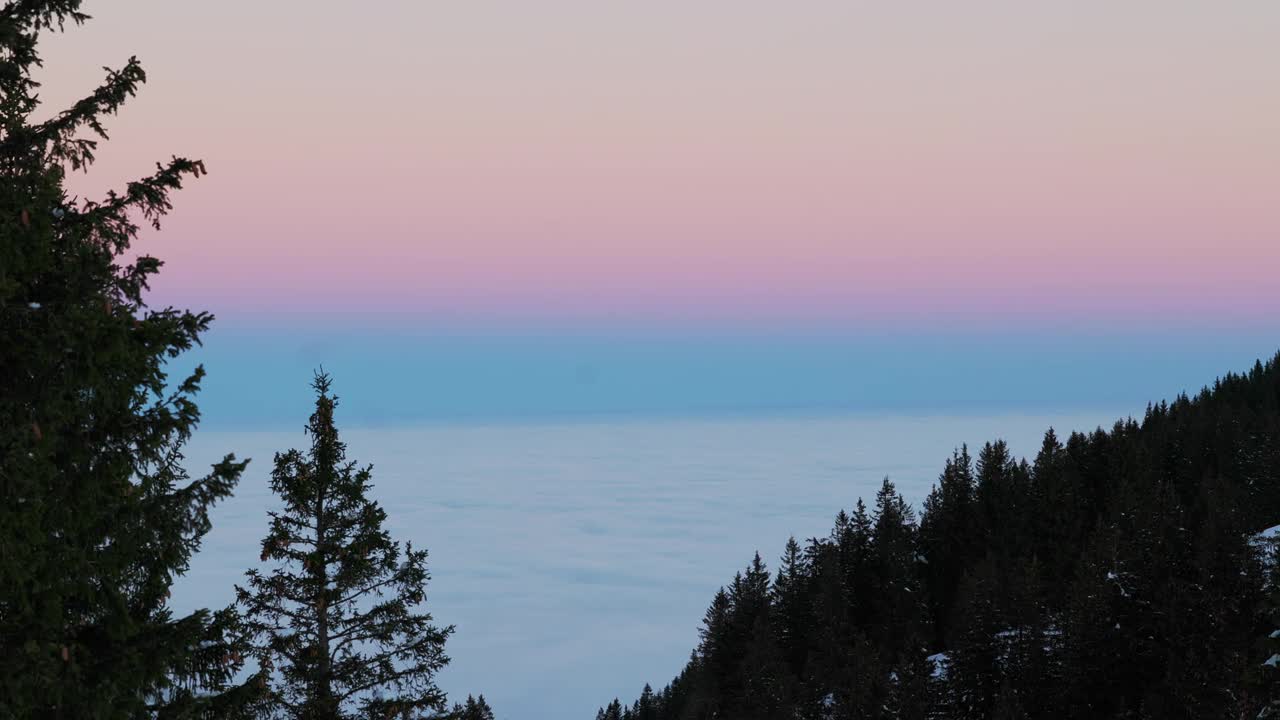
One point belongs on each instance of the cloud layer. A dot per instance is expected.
(577, 559)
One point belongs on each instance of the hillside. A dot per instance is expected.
(1117, 574)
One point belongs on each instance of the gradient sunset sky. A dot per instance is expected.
(1080, 173)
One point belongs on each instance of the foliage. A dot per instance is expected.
(99, 515)
(334, 618)
(1118, 575)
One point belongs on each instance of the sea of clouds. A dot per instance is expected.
(577, 558)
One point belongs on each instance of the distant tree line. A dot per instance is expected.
(1119, 574)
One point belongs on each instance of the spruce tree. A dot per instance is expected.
(473, 709)
(995, 499)
(855, 545)
(791, 604)
(335, 618)
(646, 707)
(949, 539)
(1094, 648)
(99, 516)
(611, 712)
(912, 687)
(1027, 668)
(976, 653)
(896, 603)
(1056, 517)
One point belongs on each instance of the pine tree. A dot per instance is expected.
(759, 677)
(997, 499)
(713, 662)
(1056, 517)
(99, 516)
(896, 600)
(336, 618)
(855, 552)
(474, 709)
(1094, 636)
(792, 606)
(974, 672)
(676, 700)
(1027, 669)
(646, 707)
(611, 712)
(912, 687)
(841, 670)
(948, 539)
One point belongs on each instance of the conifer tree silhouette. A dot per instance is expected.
(335, 618)
(98, 516)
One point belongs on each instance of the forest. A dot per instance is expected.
(1129, 572)
(1122, 573)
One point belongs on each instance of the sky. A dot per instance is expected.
(1091, 177)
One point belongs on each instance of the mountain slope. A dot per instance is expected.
(1113, 575)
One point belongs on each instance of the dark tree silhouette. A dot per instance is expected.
(1120, 575)
(474, 709)
(336, 619)
(98, 515)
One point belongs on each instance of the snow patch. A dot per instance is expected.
(1270, 533)
(940, 662)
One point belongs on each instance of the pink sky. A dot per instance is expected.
(744, 163)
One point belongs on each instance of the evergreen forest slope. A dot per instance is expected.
(1122, 573)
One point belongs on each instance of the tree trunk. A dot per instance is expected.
(327, 707)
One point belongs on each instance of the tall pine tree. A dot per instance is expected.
(613, 711)
(335, 619)
(98, 516)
